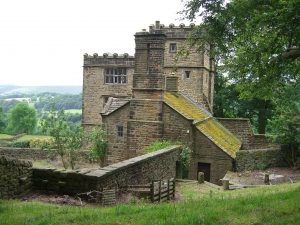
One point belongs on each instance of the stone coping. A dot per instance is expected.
(13, 161)
(221, 118)
(108, 170)
(261, 149)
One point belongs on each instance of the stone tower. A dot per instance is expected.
(111, 75)
(145, 115)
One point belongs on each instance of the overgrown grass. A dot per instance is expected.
(2, 136)
(270, 205)
(44, 163)
(30, 137)
(158, 145)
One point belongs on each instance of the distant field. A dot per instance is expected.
(268, 205)
(73, 111)
(30, 137)
(2, 136)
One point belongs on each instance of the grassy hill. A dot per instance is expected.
(267, 205)
(10, 89)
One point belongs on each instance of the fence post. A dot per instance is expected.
(225, 184)
(168, 190)
(159, 191)
(152, 191)
(173, 188)
(267, 179)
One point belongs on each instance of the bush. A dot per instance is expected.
(41, 143)
(20, 144)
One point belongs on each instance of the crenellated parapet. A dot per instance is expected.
(172, 31)
(108, 59)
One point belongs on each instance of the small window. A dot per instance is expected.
(120, 131)
(187, 75)
(173, 47)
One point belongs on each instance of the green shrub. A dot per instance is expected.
(20, 144)
(41, 143)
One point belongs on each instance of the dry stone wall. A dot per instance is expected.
(138, 170)
(33, 154)
(26, 153)
(15, 177)
(259, 159)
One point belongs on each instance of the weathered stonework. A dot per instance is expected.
(117, 148)
(15, 177)
(138, 170)
(199, 86)
(241, 127)
(157, 74)
(259, 159)
(96, 91)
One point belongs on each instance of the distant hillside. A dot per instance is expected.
(10, 89)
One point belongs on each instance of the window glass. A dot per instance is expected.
(115, 75)
(120, 131)
(173, 47)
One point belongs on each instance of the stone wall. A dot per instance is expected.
(26, 153)
(15, 177)
(117, 145)
(138, 170)
(207, 152)
(33, 154)
(259, 159)
(177, 128)
(241, 127)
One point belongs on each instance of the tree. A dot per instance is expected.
(285, 125)
(74, 143)
(67, 140)
(2, 120)
(98, 149)
(56, 126)
(22, 119)
(256, 42)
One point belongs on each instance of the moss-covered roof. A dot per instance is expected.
(204, 122)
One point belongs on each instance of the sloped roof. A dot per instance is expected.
(204, 122)
(113, 104)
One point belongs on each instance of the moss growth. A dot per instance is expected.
(208, 125)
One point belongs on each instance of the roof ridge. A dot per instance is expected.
(195, 103)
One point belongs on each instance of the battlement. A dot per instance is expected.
(108, 59)
(171, 31)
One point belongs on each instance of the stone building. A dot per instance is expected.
(158, 95)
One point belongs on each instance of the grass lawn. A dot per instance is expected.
(267, 205)
(2, 136)
(30, 137)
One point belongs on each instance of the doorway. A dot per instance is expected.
(205, 168)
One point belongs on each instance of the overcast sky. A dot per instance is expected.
(42, 42)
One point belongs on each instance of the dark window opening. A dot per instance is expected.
(187, 74)
(173, 47)
(120, 131)
(115, 75)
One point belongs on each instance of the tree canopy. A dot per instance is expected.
(255, 42)
(22, 119)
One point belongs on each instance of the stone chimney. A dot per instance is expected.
(171, 83)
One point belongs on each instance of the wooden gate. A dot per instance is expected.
(162, 190)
